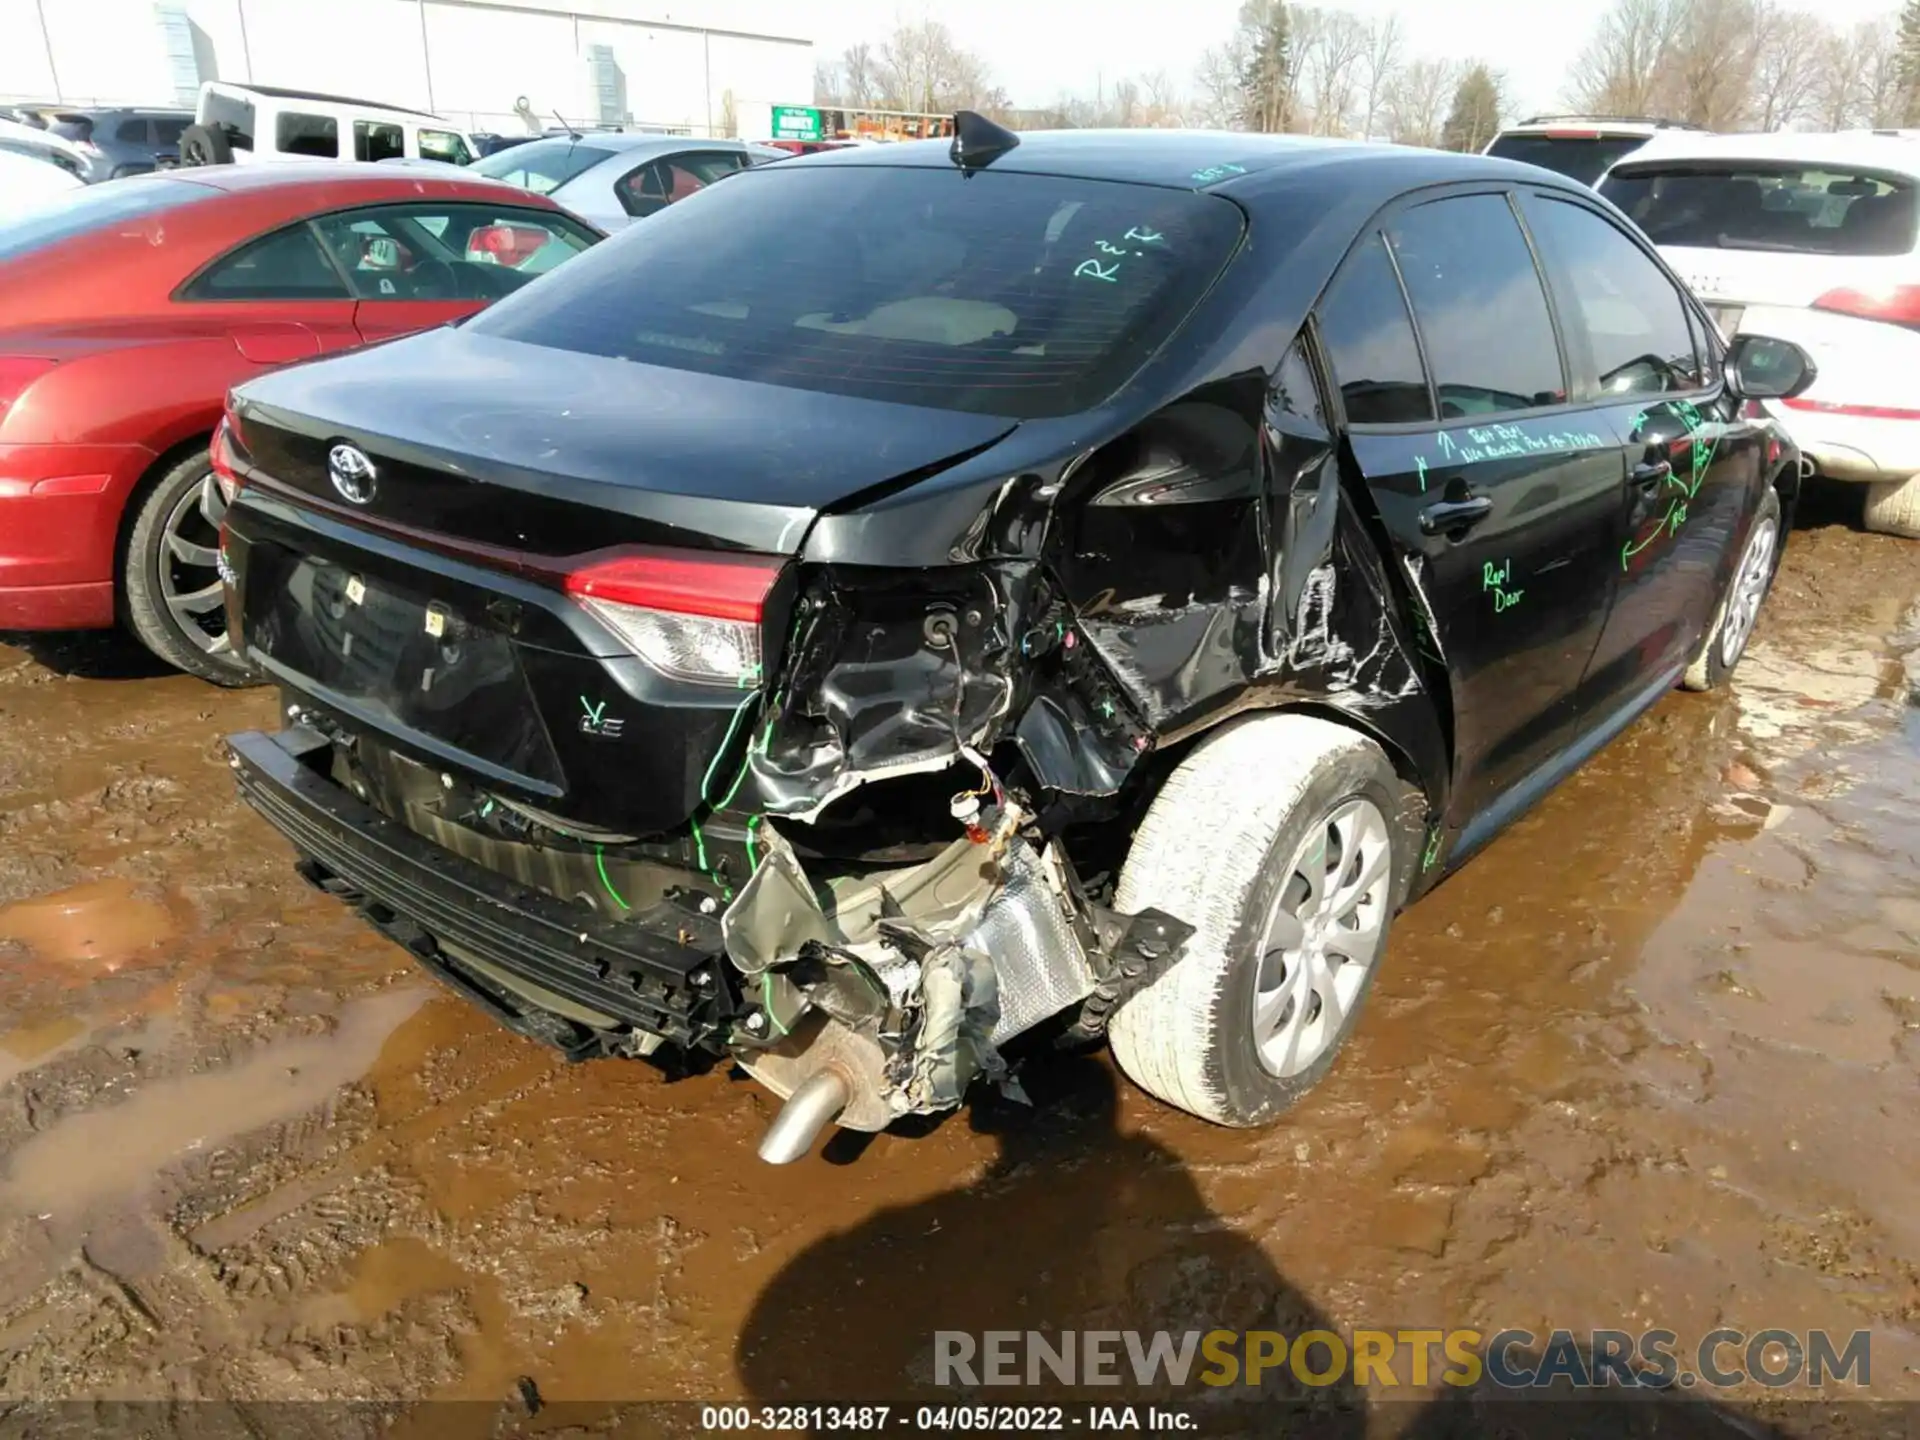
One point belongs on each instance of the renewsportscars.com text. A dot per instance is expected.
(1387, 1359)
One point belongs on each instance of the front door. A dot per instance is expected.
(1693, 464)
(1498, 494)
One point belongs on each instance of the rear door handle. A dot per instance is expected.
(1455, 515)
(1651, 473)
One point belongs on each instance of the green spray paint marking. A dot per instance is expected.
(1432, 851)
(1496, 578)
(1421, 462)
(1700, 458)
(600, 860)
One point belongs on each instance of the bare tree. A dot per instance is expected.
(1617, 72)
(1875, 46)
(1381, 60)
(1163, 106)
(1330, 52)
(857, 75)
(1218, 103)
(1417, 101)
(1712, 66)
(920, 67)
(1784, 79)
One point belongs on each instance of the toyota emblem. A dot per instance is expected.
(352, 473)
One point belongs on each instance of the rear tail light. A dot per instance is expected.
(1895, 304)
(228, 454)
(691, 616)
(511, 245)
(17, 372)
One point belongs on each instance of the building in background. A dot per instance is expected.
(694, 68)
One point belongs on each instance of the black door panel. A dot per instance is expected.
(1519, 593)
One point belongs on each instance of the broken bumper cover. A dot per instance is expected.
(525, 957)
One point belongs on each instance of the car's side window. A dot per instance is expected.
(297, 134)
(373, 140)
(447, 252)
(444, 145)
(1369, 340)
(286, 265)
(654, 187)
(1643, 343)
(132, 131)
(1480, 306)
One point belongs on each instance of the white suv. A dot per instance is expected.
(262, 122)
(1581, 147)
(1811, 238)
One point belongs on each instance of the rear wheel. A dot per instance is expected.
(1893, 507)
(1739, 611)
(1275, 840)
(171, 584)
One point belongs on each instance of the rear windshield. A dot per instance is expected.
(541, 166)
(1797, 209)
(1005, 294)
(90, 209)
(1579, 157)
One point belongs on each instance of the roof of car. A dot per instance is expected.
(243, 179)
(276, 92)
(1857, 147)
(641, 140)
(1194, 159)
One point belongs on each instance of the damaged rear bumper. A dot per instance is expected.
(545, 968)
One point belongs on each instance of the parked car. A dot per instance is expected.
(123, 141)
(781, 660)
(1581, 147)
(17, 138)
(614, 179)
(28, 182)
(1811, 238)
(127, 312)
(263, 122)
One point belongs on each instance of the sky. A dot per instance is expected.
(1039, 48)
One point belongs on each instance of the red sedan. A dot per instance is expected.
(128, 310)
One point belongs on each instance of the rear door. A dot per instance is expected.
(1497, 487)
(1693, 462)
(414, 266)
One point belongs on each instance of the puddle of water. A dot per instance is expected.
(102, 924)
(97, 1154)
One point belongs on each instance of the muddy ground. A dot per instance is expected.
(1650, 1061)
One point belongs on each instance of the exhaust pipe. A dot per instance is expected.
(808, 1111)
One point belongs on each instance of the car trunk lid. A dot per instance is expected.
(456, 419)
(524, 594)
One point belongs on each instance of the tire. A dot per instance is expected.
(205, 145)
(1893, 507)
(1230, 837)
(1739, 611)
(164, 580)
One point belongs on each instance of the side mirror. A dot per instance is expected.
(1759, 367)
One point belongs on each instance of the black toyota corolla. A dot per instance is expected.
(917, 603)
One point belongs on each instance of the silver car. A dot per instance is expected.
(614, 178)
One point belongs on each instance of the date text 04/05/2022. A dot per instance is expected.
(947, 1419)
